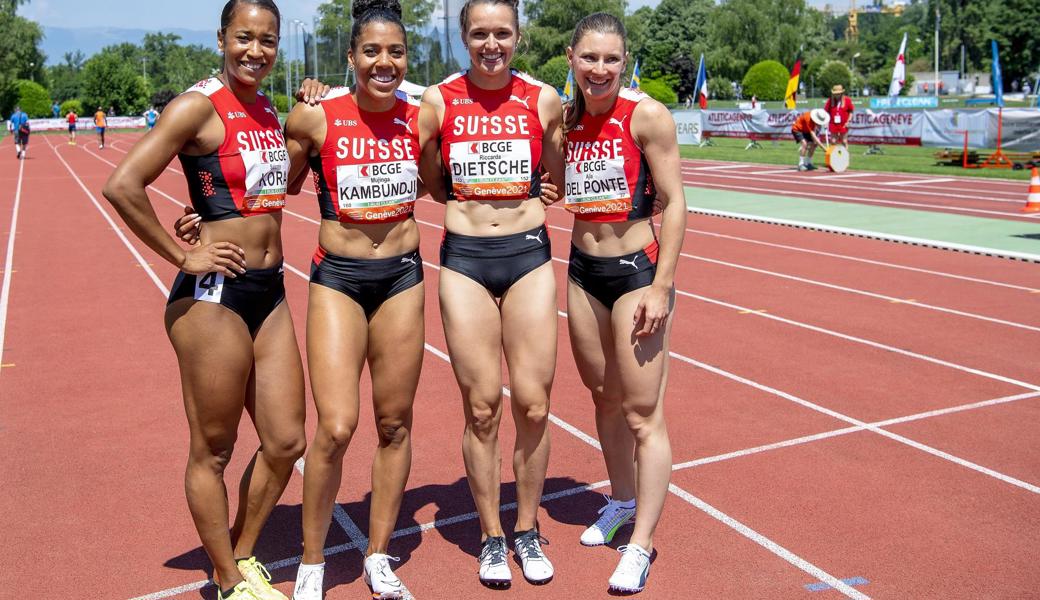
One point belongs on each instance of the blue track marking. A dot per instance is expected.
(820, 586)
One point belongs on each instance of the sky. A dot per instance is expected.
(188, 14)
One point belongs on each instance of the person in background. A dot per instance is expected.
(804, 132)
(56, 110)
(19, 124)
(111, 111)
(839, 108)
(71, 118)
(100, 123)
(149, 117)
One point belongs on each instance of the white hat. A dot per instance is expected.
(820, 116)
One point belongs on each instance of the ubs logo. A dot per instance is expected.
(345, 123)
(458, 101)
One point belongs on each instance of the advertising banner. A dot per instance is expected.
(865, 127)
(688, 126)
(85, 124)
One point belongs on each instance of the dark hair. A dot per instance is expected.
(374, 11)
(232, 5)
(464, 13)
(600, 23)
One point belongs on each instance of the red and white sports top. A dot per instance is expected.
(608, 176)
(367, 171)
(247, 175)
(491, 140)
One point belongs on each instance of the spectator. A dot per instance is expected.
(839, 108)
(56, 110)
(19, 125)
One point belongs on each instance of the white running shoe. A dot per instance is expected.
(537, 568)
(309, 580)
(381, 579)
(612, 516)
(494, 570)
(632, 571)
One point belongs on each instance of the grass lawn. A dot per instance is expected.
(900, 159)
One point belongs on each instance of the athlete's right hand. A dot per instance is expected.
(222, 257)
(550, 193)
(188, 226)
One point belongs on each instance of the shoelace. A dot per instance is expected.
(383, 568)
(494, 551)
(631, 560)
(610, 513)
(529, 545)
(262, 575)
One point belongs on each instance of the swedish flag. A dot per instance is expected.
(635, 77)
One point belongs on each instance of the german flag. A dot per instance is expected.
(792, 85)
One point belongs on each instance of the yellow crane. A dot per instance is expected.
(852, 30)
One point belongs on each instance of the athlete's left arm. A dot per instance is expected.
(654, 131)
(550, 112)
(304, 125)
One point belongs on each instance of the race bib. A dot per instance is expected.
(267, 174)
(377, 191)
(492, 170)
(209, 287)
(597, 186)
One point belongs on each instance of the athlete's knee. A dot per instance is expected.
(335, 436)
(483, 422)
(212, 453)
(533, 415)
(287, 448)
(643, 422)
(393, 431)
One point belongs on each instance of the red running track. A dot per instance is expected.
(774, 418)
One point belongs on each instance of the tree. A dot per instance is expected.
(168, 65)
(64, 78)
(832, 73)
(677, 34)
(554, 72)
(767, 80)
(110, 79)
(660, 91)
(745, 32)
(33, 98)
(71, 106)
(550, 24)
(721, 88)
(20, 55)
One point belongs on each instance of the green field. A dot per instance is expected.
(899, 159)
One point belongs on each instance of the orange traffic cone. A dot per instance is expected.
(1033, 200)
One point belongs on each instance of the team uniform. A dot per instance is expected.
(71, 118)
(491, 145)
(367, 172)
(609, 181)
(244, 177)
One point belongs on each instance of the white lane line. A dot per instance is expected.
(919, 181)
(792, 558)
(137, 255)
(719, 167)
(847, 430)
(848, 176)
(774, 171)
(864, 260)
(875, 235)
(842, 288)
(866, 342)
(867, 426)
(818, 182)
(1014, 197)
(799, 193)
(5, 291)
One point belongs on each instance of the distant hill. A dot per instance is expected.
(89, 40)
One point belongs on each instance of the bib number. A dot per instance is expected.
(209, 287)
(267, 174)
(376, 192)
(490, 169)
(597, 186)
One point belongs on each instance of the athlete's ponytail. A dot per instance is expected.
(600, 22)
(374, 11)
(232, 5)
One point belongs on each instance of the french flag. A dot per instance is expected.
(701, 87)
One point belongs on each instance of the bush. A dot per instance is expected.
(720, 88)
(520, 64)
(659, 90)
(766, 80)
(33, 99)
(71, 106)
(281, 103)
(554, 72)
(832, 73)
(161, 98)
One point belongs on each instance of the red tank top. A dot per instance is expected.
(608, 177)
(367, 170)
(491, 140)
(247, 174)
